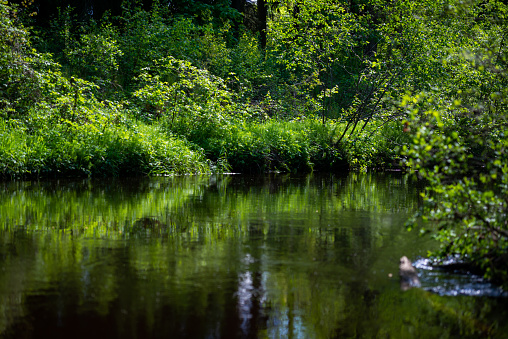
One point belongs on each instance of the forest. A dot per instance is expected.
(118, 88)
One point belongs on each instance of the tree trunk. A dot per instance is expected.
(262, 15)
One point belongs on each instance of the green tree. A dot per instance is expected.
(349, 59)
(96, 57)
(17, 74)
(460, 144)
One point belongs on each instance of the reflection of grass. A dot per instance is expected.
(180, 202)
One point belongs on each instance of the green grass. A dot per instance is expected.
(93, 149)
(104, 142)
(288, 146)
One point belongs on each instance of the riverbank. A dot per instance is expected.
(109, 143)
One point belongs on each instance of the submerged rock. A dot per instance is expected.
(408, 274)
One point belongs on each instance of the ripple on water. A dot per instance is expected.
(453, 283)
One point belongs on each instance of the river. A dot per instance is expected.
(232, 256)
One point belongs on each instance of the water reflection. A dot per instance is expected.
(453, 283)
(220, 257)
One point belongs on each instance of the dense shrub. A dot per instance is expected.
(291, 146)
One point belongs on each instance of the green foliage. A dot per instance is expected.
(96, 57)
(30, 79)
(467, 189)
(18, 63)
(291, 146)
(376, 147)
(105, 145)
(460, 147)
(312, 42)
(148, 36)
(52, 124)
(190, 101)
(248, 73)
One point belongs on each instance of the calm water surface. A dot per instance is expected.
(275, 256)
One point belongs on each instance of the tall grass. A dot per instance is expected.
(303, 145)
(68, 148)
(130, 147)
(289, 146)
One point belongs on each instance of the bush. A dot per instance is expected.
(96, 58)
(466, 175)
(188, 101)
(289, 146)
(377, 146)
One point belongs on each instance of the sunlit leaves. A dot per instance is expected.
(191, 101)
(460, 149)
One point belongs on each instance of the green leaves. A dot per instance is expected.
(460, 150)
(191, 101)
(312, 42)
(96, 58)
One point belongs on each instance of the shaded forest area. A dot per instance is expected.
(171, 87)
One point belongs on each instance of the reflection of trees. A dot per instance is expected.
(203, 256)
(250, 296)
(361, 301)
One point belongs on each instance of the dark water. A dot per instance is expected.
(223, 257)
(448, 281)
